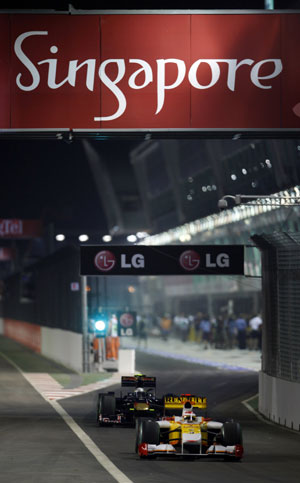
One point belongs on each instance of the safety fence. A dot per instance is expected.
(281, 304)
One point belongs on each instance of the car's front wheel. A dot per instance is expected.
(231, 435)
(106, 406)
(147, 432)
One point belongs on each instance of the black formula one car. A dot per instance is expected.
(125, 408)
(188, 435)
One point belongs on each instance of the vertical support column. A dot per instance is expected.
(171, 155)
(85, 331)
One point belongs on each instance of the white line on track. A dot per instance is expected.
(104, 461)
(264, 420)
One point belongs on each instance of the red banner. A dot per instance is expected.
(235, 71)
(7, 254)
(23, 332)
(11, 228)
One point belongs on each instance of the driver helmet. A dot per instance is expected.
(139, 392)
(189, 416)
(188, 413)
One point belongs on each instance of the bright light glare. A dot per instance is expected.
(60, 237)
(100, 325)
(83, 238)
(141, 234)
(131, 238)
(106, 238)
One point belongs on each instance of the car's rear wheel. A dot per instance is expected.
(147, 432)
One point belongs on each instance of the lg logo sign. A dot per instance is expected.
(190, 260)
(162, 260)
(106, 261)
(126, 324)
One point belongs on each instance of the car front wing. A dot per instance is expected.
(216, 450)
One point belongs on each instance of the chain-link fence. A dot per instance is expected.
(281, 304)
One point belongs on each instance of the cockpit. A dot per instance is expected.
(188, 414)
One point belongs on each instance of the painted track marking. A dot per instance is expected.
(104, 461)
(263, 419)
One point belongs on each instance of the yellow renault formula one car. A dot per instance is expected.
(188, 435)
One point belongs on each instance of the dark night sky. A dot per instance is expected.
(51, 179)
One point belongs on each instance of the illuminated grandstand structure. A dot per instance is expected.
(234, 225)
(246, 206)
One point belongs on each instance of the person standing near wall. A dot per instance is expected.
(220, 332)
(197, 325)
(206, 327)
(184, 327)
(231, 332)
(241, 326)
(255, 325)
(112, 339)
(165, 326)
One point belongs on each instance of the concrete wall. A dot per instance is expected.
(62, 346)
(23, 332)
(279, 400)
(126, 361)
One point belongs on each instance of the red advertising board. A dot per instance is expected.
(155, 71)
(6, 254)
(13, 228)
(23, 332)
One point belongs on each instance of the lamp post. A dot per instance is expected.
(85, 330)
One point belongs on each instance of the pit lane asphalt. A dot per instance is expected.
(38, 447)
(271, 453)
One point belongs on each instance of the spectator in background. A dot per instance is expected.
(165, 326)
(241, 326)
(112, 340)
(220, 333)
(142, 332)
(184, 327)
(177, 324)
(255, 331)
(205, 326)
(197, 325)
(231, 332)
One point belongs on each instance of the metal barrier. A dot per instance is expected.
(281, 304)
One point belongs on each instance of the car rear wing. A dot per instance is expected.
(138, 381)
(178, 402)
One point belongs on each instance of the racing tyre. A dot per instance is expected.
(106, 405)
(138, 423)
(231, 434)
(147, 432)
(98, 407)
